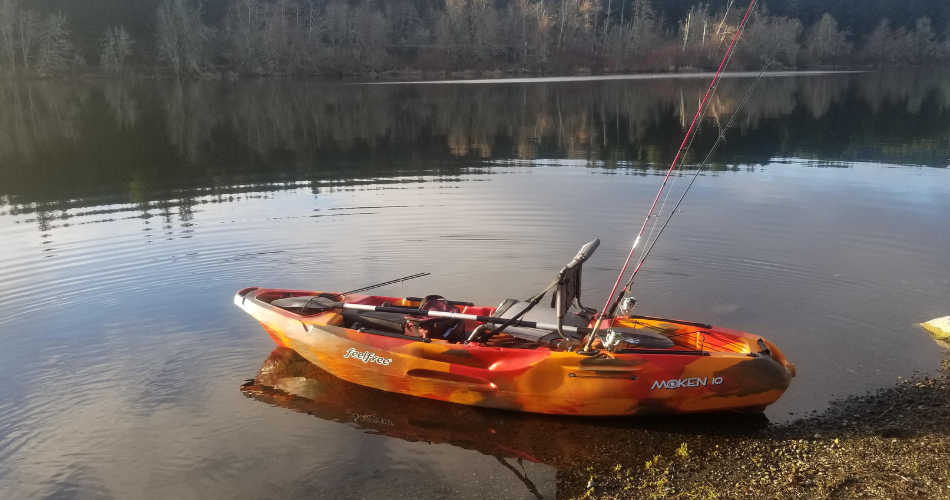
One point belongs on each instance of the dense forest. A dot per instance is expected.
(332, 37)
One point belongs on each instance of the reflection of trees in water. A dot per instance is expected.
(36, 114)
(609, 121)
(137, 142)
(912, 88)
(190, 116)
(819, 94)
(573, 120)
(124, 106)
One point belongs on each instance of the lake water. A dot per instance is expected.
(131, 212)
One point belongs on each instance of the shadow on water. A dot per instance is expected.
(568, 444)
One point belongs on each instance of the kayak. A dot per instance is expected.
(642, 365)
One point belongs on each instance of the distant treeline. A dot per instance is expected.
(333, 37)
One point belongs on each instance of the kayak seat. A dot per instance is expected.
(510, 307)
(387, 322)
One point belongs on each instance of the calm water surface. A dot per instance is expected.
(130, 213)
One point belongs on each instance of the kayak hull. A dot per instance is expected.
(539, 380)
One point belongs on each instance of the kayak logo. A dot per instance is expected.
(366, 357)
(676, 383)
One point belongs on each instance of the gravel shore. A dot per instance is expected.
(894, 443)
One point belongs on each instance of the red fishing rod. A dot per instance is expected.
(679, 154)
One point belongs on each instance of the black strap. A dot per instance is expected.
(533, 301)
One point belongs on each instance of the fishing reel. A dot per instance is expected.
(627, 305)
(616, 336)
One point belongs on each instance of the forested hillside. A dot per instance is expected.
(332, 37)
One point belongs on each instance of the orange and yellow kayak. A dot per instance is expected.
(683, 367)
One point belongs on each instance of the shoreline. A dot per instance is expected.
(889, 444)
(458, 77)
(625, 76)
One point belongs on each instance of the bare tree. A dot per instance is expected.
(825, 41)
(278, 35)
(485, 23)
(685, 27)
(77, 62)
(452, 30)
(182, 37)
(885, 45)
(355, 36)
(470, 28)
(575, 22)
(52, 55)
(639, 36)
(644, 28)
(925, 48)
(695, 28)
(879, 44)
(608, 10)
(763, 33)
(28, 33)
(529, 31)
(371, 38)
(244, 33)
(406, 26)
(338, 31)
(8, 34)
(115, 47)
(722, 31)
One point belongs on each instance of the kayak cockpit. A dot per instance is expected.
(562, 325)
(639, 334)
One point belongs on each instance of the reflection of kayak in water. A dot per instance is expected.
(525, 358)
(287, 380)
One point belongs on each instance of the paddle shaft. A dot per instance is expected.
(470, 317)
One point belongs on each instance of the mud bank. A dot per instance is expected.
(894, 443)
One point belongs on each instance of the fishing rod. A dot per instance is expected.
(722, 136)
(370, 287)
(679, 153)
(390, 282)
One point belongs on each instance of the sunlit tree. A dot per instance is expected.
(825, 42)
(53, 48)
(8, 35)
(114, 48)
(182, 37)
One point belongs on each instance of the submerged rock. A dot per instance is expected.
(939, 329)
